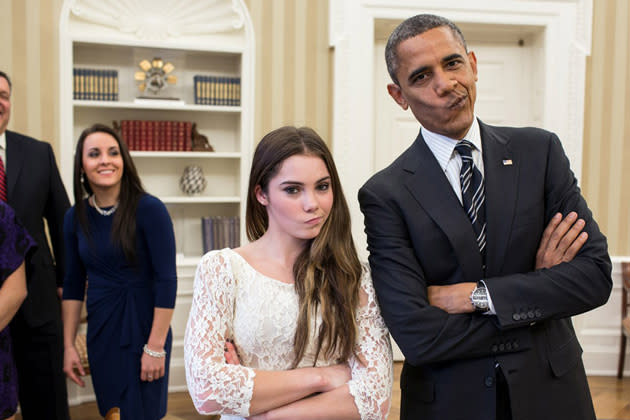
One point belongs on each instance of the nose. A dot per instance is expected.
(310, 202)
(444, 83)
(104, 158)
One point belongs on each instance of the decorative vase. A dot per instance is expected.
(192, 180)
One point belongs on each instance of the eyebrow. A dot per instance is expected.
(425, 68)
(301, 183)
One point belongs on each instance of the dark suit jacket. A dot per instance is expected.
(419, 235)
(35, 192)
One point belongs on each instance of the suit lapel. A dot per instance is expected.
(15, 161)
(432, 191)
(501, 170)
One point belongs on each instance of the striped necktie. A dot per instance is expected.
(3, 182)
(473, 193)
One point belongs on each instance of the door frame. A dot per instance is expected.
(565, 27)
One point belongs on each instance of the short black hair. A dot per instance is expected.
(411, 27)
(6, 77)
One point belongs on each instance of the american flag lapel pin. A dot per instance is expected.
(507, 162)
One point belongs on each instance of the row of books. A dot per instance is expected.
(215, 90)
(220, 232)
(156, 135)
(95, 85)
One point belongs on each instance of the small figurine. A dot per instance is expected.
(199, 141)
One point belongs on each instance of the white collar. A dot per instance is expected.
(443, 147)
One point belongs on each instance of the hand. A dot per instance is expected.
(231, 354)
(151, 368)
(454, 299)
(72, 364)
(335, 376)
(561, 240)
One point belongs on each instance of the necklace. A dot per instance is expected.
(100, 210)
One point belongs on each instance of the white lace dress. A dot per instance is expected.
(232, 300)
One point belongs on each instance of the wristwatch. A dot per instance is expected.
(479, 298)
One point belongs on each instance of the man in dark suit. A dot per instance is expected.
(476, 290)
(35, 192)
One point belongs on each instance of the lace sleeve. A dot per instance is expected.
(372, 368)
(215, 386)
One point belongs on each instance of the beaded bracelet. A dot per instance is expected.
(152, 353)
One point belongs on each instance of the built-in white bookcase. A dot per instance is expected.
(209, 38)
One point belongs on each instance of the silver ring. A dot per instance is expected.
(150, 377)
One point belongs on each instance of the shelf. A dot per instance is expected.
(161, 105)
(186, 155)
(201, 200)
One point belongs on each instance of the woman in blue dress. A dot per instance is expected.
(120, 239)
(15, 245)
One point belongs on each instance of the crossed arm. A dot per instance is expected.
(359, 388)
(560, 242)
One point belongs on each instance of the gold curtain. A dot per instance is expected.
(606, 173)
(293, 65)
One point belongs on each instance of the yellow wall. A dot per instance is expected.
(293, 86)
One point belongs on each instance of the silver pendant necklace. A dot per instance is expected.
(100, 210)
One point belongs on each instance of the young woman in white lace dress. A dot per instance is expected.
(295, 302)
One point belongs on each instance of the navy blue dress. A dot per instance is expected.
(15, 244)
(120, 302)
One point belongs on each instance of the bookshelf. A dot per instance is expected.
(205, 52)
(209, 38)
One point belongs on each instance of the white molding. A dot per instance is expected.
(566, 28)
(160, 19)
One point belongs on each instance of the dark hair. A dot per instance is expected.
(328, 272)
(6, 77)
(411, 27)
(124, 223)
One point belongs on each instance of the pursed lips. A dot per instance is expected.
(457, 102)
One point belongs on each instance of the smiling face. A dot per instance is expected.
(299, 197)
(437, 81)
(5, 104)
(102, 161)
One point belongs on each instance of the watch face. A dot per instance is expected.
(480, 298)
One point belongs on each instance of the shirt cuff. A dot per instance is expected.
(490, 310)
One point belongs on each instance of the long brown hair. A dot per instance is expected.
(328, 272)
(124, 223)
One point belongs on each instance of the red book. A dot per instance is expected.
(151, 140)
(144, 144)
(135, 134)
(169, 133)
(124, 133)
(188, 136)
(181, 132)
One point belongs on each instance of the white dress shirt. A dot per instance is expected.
(443, 148)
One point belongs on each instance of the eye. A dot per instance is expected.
(93, 153)
(114, 152)
(454, 63)
(292, 189)
(324, 186)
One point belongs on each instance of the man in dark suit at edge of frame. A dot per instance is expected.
(477, 282)
(36, 192)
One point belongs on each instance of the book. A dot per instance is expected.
(220, 232)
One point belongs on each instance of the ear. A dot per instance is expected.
(473, 63)
(396, 93)
(261, 196)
